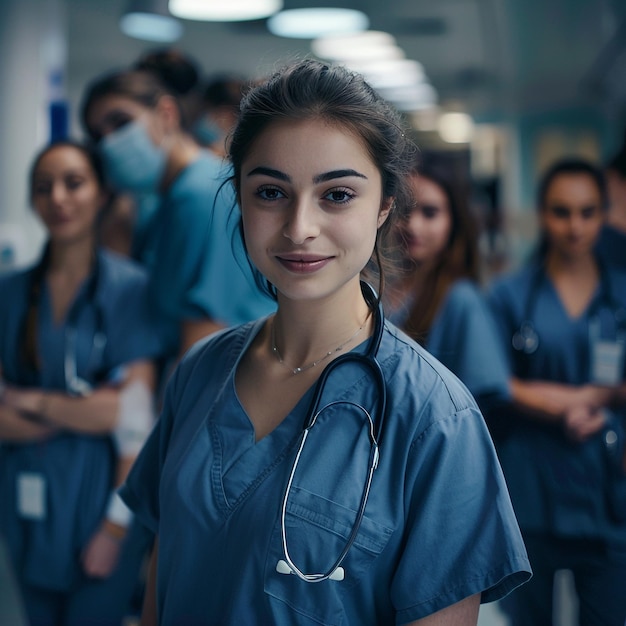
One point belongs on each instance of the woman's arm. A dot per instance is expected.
(578, 409)
(94, 414)
(463, 613)
(14, 427)
(101, 554)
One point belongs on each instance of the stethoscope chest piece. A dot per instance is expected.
(526, 339)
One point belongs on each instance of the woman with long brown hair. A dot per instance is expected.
(435, 298)
(76, 351)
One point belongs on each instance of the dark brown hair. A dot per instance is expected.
(310, 89)
(459, 260)
(141, 86)
(28, 340)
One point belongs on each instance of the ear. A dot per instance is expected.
(168, 112)
(386, 208)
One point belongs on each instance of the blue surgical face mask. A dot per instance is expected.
(206, 131)
(131, 161)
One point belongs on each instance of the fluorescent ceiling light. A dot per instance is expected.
(411, 97)
(150, 20)
(370, 44)
(313, 23)
(456, 127)
(224, 10)
(390, 72)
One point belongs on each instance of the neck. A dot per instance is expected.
(183, 151)
(304, 332)
(557, 264)
(74, 258)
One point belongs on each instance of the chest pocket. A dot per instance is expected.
(317, 530)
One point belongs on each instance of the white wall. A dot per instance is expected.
(33, 47)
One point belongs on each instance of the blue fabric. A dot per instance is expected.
(438, 525)
(78, 469)
(194, 272)
(567, 489)
(462, 337)
(612, 246)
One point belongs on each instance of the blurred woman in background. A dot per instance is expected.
(436, 298)
(76, 351)
(562, 320)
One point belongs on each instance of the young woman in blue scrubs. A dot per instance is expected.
(435, 298)
(197, 283)
(562, 319)
(76, 347)
(247, 509)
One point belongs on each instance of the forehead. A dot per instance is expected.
(112, 106)
(62, 158)
(315, 143)
(572, 185)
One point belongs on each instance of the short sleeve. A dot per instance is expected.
(462, 536)
(501, 309)
(465, 341)
(131, 327)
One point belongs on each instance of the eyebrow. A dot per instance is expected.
(320, 178)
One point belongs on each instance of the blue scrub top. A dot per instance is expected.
(78, 469)
(612, 246)
(199, 268)
(463, 338)
(438, 525)
(575, 490)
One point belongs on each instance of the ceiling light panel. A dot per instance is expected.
(224, 10)
(313, 22)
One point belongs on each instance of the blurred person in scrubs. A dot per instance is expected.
(77, 346)
(562, 320)
(612, 240)
(219, 111)
(436, 299)
(199, 279)
(261, 522)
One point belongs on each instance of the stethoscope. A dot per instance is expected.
(375, 427)
(74, 384)
(526, 339)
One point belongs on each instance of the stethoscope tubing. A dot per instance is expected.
(526, 339)
(370, 361)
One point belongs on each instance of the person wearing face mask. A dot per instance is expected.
(435, 298)
(198, 284)
(220, 109)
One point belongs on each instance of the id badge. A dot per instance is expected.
(31, 496)
(607, 361)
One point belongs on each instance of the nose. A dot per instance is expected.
(415, 221)
(576, 225)
(58, 193)
(302, 222)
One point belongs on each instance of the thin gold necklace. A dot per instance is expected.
(308, 366)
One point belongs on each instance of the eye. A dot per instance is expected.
(269, 193)
(560, 211)
(340, 196)
(429, 211)
(588, 212)
(42, 188)
(74, 183)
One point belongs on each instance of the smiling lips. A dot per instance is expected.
(302, 263)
